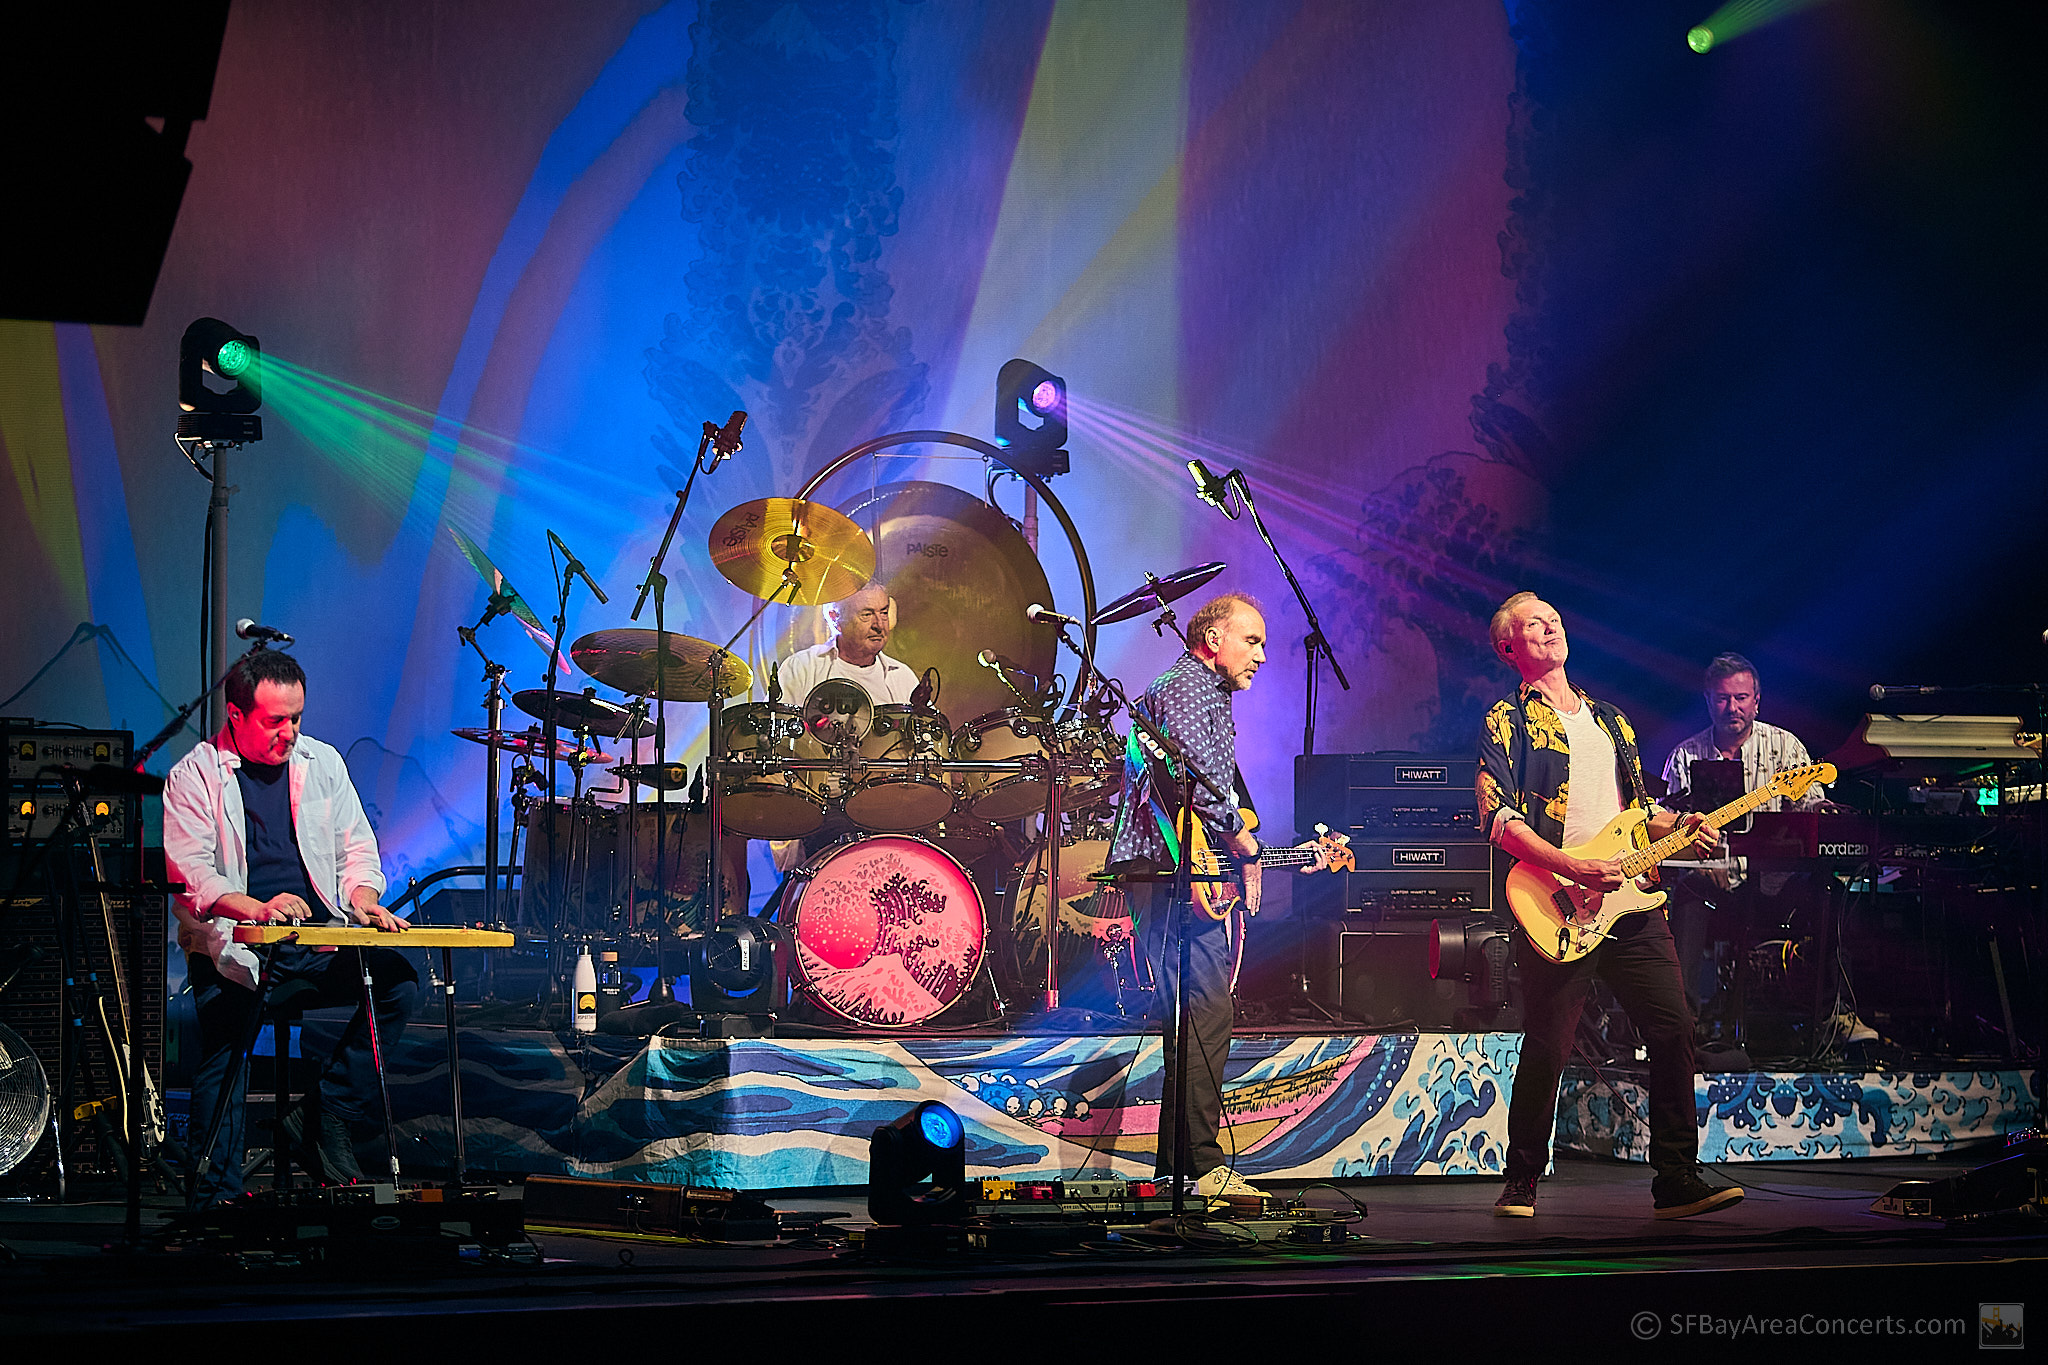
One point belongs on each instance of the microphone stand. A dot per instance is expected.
(494, 708)
(1183, 907)
(1316, 643)
(656, 583)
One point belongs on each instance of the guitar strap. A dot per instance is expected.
(1631, 761)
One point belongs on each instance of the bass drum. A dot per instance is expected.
(886, 931)
(891, 801)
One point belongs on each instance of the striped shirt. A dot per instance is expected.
(1767, 752)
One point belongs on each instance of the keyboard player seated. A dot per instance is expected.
(1736, 753)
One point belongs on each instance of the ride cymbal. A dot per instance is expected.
(584, 710)
(532, 744)
(627, 659)
(1157, 593)
(824, 550)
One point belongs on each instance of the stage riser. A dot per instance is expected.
(1804, 1116)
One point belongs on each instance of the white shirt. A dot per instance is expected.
(1767, 752)
(888, 682)
(1593, 791)
(206, 842)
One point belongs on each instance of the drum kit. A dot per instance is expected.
(915, 831)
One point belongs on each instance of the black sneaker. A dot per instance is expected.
(1517, 1198)
(1682, 1196)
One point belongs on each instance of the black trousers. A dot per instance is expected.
(1639, 963)
(1211, 955)
(348, 1079)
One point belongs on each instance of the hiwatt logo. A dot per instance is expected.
(1418, 857)
(1438, 775)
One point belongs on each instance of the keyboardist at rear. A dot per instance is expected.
(263, 825)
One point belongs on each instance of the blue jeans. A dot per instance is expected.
(1211, 1012)
(348, 1079)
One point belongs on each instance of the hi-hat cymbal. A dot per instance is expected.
(1157, 593)
(507, 597)
(532, 744)
(825, 550)
(626, 659)
(584, 710)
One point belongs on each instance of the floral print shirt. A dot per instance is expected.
(1527, 729)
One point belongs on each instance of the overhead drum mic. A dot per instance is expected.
(247, 629)
(725, 440)
(1047, 616)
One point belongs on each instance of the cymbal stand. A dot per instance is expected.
(565, 583)
(494, 707)
(1183, 909)
(635, 715)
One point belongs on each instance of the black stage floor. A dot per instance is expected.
(1802, 1256)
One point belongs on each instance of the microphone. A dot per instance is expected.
(774, 684)
(247, 629)
(921, 695)
(1048, 615)
(1003, 668)
(1212, 488)
(725, 440)
(1878, 691)
(575, 568)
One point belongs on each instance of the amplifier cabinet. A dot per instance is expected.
(1387, 796)
(37, 1005)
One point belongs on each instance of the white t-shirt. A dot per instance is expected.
(888, 682)
(1594, 795)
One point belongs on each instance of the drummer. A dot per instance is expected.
(863, 622)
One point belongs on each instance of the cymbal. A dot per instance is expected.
(514, 605)
(626, 659)
(584, 710)
(827, 552)
(533, 744)
(961, 574)
(1157, 593)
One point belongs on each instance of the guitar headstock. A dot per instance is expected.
(1333, 852)
(1793, 782)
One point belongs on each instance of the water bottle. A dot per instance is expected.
(613, 989)
(583, 993)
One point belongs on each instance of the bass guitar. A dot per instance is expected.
(1566, 920)
(1326, 852)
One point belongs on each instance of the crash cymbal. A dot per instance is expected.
(1156, 593)
(533, 744)
(830, 556)
(584, 710)
(626, 659)
(961, 574)
(512, 604)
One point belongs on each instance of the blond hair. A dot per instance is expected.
(1504, 617)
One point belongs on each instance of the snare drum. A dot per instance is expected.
(1002, 735)
(887, 930)
(765, 804)
(902, 800)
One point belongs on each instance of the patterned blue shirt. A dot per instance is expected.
(1191, 703)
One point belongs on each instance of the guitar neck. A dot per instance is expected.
(1288, 857)
(1635, 864)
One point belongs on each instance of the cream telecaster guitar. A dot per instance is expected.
(1566, 920)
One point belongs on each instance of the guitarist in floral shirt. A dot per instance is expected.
(1555, 767)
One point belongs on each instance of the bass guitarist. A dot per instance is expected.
(1555, 767)
(1191, 702)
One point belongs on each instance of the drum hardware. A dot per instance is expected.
(494, 711)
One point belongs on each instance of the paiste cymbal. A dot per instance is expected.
(584, 710)
(830, 556)
(512, 603)
(626, 659)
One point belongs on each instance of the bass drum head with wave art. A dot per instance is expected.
(887, 931)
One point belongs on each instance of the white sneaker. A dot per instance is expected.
(1226, 1185)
